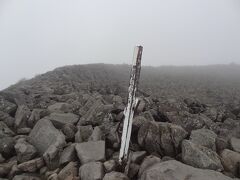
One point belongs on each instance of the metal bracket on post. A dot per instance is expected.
(131, 106)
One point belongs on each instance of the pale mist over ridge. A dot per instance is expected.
(38, 36)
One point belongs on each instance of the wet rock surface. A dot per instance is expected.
(67, 123)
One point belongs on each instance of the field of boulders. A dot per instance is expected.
(66, 124)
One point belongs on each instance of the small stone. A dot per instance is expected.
(97, 134)
(115, 176)
(61, 107)
(2, 159)
(23, 130)
(138, 156)
(83, 133)
(230, 161)
(22, 115)
(70, 171)
(25, 151)
(235, 144)
(5, 131)
(7, 147)
(32, 165)
(133, 170)
(91, 171)
(110, 165)
(27, 177)
(68, 154)
(69, 131)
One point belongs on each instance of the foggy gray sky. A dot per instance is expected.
(39, 35)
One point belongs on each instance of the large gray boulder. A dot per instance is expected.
(204, 137)
(48, 140)
(60, 119)
(5, 131)
(91, 151)
(231, 161)
(91, 171)
(200, 156)
(163, 138)
(175, 170)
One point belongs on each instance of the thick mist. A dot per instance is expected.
(37, 36)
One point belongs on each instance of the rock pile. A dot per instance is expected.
(69, 135)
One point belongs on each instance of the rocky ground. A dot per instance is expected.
(63, 124)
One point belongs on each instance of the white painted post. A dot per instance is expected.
(132, 102)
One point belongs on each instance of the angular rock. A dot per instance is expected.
(7, 119)
(27, 177)
(91, 151)
(110, 165)
(94, 115)
(68, 155)
(97, 135)
(48, 140)
(36, 115)
(115, 176)
(138, 156)
(61, 108)
(204, 137)
(2, 159)
(148, 162)
(84, 109)
(200, 156)
(83, 133)
(5, 131)
(32, 165)
(137, 122)
(5, 168)
(22, 115)
(23, 131)
(91, 171)
(44, 135)
(70, 171)
(7, 147)
(60, 119)
(230, 161)
(25, 151)
(175, 170)
(69, 130)
(162, 138)
(133, 170)
(6, 106)
(235, 144)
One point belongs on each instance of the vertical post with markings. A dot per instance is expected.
(132, 103)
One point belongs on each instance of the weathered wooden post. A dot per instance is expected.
(132, 104)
